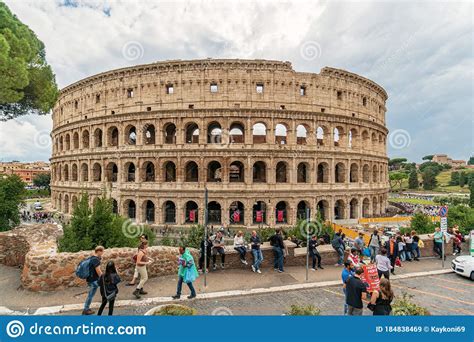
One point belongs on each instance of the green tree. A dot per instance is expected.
(42, 180)
(471, 192)
(27, 82)
(462, 216)
(437, 168)
(429, 179)
(396, 163)
(413, 180)
(422, 224)
(454, 178)
(12, 193)
(428, 157)
(397, 178)
(470, 161)
(462, 178)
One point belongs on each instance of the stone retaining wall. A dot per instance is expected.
(34, 248)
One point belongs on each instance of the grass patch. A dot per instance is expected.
(412, 201)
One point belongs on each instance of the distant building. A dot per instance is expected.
(26, 171)
(444, 159)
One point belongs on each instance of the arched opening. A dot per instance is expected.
(281, 172)
(214, 212)
(75, 140)
(98, 138)
(170, 133)
(214, 133)
(354, 173)
(375, 207)
(131, 209)
(191, 212)
(259, 172)
(214, 172)
(61, 144)
(149, 212)
(301, 135)
(281, 213)
(339, 208)
(130, 167)
(68, 142)
(340, 173)
(149, 172)
(73, 202)
(114, 206)
(192, 133)
(236, 213)
(354, 208)
(112, 172)
(60, 203)
(236, 172)
(169, 210)
(323, 173)
(301, 210)
(66, 172)
(130, 135)
(85, 139)
(353, 139)
(338, 136)
(96, 172)
(281, 133)
(74, 172)
(365, 139)
(259, 133)
(365, 173)
(169, 172)
(236, 133)
(113, 136)
(66, 204)
(84, 172)
(259, 213)
(302, 173)
(191, 172)
(366, 208)
(375, 173)
(150, 133)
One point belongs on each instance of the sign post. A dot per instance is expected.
(206, 217)
(443, 213)
(307, 242)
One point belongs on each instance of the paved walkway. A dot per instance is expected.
(15, 298)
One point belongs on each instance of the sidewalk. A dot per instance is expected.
(17, 299)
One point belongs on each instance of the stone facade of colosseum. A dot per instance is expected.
(267, 142)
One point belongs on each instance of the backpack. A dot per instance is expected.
(272, 240)
(83, 270)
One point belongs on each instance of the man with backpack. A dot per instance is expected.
(338, 245)
(89, 269)
(276, 241)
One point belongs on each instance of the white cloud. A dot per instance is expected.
(420, 52)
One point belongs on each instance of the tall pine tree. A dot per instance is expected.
(413, 180)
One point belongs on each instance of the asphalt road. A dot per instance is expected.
(447, 294)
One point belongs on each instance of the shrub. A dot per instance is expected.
(303, 310)
(403, 306)
(422, 224)
(175, 310)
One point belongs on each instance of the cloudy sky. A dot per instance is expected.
(420, 52)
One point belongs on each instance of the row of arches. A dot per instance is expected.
(215, 133)
(258, 213)
(215, 171)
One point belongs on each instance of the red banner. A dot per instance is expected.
(236, 216)
(371, 277)
(259, 216)
(192, 215)
(280, 215)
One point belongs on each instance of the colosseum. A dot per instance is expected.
(267, 142)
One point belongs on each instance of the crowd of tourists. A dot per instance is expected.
(411, 208)
(36, 217)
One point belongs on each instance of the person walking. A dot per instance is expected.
(276, 242)
(314, 253)
(239, 246)
(108, 288)
(383, 264)
(381, 299)
(356, 291)
(256, 252)
(205, 243)
(359, 244)
(346, 274)
(457, 240)
(408, 247)
(187, 272)
(438, 237)
(92, 280)
(374, 244)
(218, 248)
(392, 251)
(415, 246)
(401, 247)
(338, 245)
(142, 261)
(143, 238)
